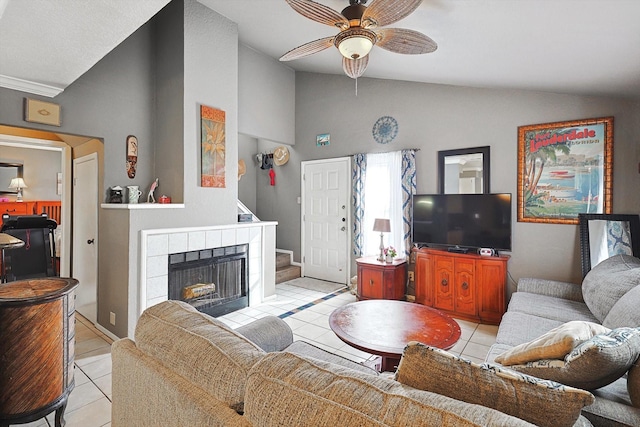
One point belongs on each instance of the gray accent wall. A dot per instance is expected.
(266, 97)
(437, 117)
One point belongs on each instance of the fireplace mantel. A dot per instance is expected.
(156, 245)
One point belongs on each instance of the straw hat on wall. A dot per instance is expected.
(280, 155)
(242, 168)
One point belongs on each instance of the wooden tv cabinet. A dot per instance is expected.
(466, 286)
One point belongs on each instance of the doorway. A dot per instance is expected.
(326, 219)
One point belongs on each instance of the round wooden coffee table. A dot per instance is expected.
(384, 327)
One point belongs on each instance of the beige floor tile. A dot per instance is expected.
(83, 395)
(478, 351)
(94, 355)
(104, 384)
(485, 335)
(98, 368)
(94, 414)
(86, 346)
(310, 331)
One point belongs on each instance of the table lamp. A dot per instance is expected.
(19, 184)
(382, 225)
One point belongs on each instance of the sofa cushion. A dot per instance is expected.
(548, 307)
(544, 403)
(305, 349)
(285, 389)
(516, 328)
(608, 281)
(555, 344)
(594, 363)
(625, 312)
(612, 406)
(199, 348)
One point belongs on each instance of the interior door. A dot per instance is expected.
(326, 219)
(85, 234)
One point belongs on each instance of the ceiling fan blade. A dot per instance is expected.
(308, 49)
(319, 13)
(354, 68)
(401, 40)
(385, 12)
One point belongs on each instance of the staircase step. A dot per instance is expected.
(282, 259)
(289, 272)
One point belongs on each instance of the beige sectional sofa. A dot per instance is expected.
(188, 369)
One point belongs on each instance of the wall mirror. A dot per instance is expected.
(603, 236)
(8, 171)
(464, 171)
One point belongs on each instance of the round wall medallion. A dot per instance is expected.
(385, 130)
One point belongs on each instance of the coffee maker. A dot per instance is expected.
(115, 194)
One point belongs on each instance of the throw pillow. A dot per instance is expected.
(555, 344)
(625, 312)
(608, 281)
(541, 402)
(594, 363)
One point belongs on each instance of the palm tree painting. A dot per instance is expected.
(212, 147)
(564, 169)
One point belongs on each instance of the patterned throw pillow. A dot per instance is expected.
(555, 344)
(541, 402)
(594, 363)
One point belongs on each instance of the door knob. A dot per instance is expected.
(90, 241)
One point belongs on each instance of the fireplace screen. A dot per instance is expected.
(214, 281)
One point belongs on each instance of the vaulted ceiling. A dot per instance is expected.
(568, 46)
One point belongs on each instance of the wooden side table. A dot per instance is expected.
(37, 334)
(381, 280)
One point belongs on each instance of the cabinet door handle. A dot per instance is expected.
(370, 282)
(465, 286)
(444, 282)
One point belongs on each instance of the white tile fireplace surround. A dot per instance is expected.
(157, 245)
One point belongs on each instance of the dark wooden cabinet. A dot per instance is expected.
(467, 286)
(37, 335)
(381, 280)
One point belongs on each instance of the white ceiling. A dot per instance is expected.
(565, 46)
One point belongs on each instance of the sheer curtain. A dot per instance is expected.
(383, 185)
(383, 199)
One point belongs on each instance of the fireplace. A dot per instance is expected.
(214, 281)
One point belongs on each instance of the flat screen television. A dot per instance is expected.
(462, 221)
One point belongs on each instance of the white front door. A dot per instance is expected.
(326, 219)
(85, 234)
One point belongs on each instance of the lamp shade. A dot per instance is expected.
(17, 183)
(382, 225)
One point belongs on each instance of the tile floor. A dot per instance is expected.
(90, 402)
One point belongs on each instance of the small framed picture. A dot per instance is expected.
(323, 139)
(36, 111)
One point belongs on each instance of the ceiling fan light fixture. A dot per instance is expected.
(355, 43)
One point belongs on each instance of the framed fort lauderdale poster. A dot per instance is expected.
(564, 169)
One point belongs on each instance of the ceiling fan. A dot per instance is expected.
(360, 30)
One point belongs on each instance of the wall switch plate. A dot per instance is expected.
(112, 318)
